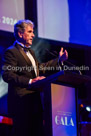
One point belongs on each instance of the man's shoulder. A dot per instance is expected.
(11, 48)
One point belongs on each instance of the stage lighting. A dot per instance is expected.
(88, 108)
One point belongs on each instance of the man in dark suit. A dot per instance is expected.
(22, 69)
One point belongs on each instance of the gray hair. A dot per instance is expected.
(21, 25)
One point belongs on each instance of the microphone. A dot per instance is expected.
(51, 53)
(55, 54)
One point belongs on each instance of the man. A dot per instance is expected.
(24, 104)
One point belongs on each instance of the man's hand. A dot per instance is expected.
(63, 55)
(37, 79)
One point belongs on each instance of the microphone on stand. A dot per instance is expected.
(55, 54)
(51, 53)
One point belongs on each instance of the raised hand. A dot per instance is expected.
(63, 55)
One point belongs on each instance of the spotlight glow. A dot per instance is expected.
(88, 108)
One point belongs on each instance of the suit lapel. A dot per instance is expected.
(23, 54)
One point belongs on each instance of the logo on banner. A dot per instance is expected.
(64, 118)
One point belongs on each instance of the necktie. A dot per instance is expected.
(27, 49)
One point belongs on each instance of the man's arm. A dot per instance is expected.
(55, 65)
(9, 74)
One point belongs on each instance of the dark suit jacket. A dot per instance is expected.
(18, 72)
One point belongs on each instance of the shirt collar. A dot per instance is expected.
(21, 44)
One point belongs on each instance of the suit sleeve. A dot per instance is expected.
(50, 67)
(9, 73)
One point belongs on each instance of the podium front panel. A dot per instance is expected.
(64, 118)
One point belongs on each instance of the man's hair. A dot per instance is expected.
(21, 25)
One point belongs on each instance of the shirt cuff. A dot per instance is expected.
(30, 81)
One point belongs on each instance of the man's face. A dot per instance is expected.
(27, 36)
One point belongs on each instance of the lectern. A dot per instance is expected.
(60, 103)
